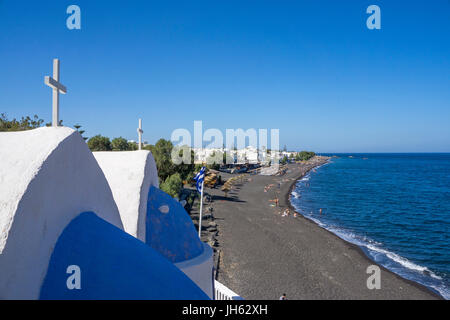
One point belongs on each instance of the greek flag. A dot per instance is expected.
(199, 179)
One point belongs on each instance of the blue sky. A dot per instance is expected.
(309, 68)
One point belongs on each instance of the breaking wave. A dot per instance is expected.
(374, 249)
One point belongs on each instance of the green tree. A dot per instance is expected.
(162, 154)
(60, 123)
(172, 185)
(119, 144)
(212, 163)
(77, 127)
(304, 155)
(148, 147)
(132, 146)
(25, 123)
(185, 170)
(99, 143)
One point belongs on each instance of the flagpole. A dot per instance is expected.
(201, 208)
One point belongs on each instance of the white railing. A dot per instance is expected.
(221, 292)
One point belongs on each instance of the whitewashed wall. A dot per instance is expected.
(48, 176)
(200, 270)
(130, 175)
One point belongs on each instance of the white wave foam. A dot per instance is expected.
(295, 194)
(402, 261)
(373, 247)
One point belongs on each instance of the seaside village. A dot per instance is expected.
(76, 224)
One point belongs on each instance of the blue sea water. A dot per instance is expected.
(396, 207)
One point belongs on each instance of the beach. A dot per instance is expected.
(263, 254)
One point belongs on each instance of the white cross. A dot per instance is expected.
(57, 88)
(140, 132)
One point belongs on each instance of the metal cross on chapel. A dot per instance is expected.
(57, 89)
(140, 132)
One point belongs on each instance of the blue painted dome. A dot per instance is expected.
(113, 265)
(169, 229)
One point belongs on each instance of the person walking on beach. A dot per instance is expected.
(275, 200)
(286, 213)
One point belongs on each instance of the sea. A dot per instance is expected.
(395, 207)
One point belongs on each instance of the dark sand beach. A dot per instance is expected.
(263, 254)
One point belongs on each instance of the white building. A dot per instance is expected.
(73, 229)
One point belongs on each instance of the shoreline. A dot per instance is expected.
(354, 246)
(263, 254)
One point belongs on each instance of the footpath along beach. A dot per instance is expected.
(264, 254)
